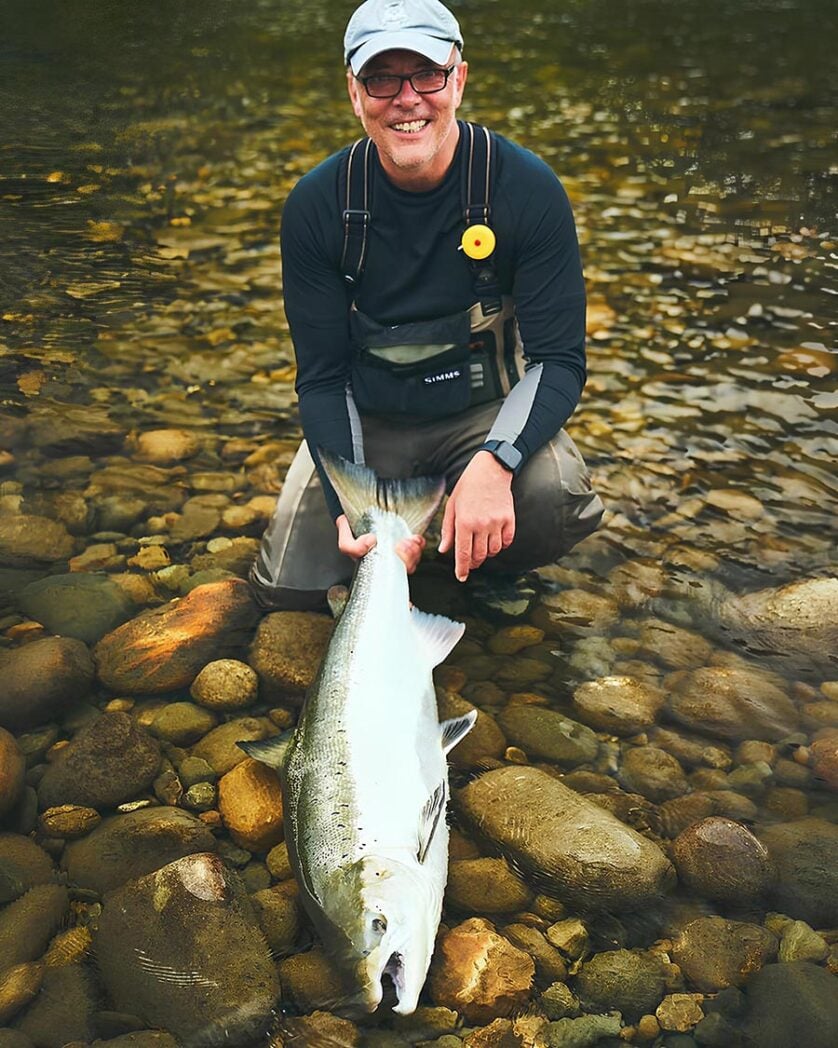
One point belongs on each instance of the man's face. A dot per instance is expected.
(416, 135)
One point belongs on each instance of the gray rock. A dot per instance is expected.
(805, 856)
(582, 1032)
(541, 732)
(62, 1011)
(720, 859)
(559, 1002)
(41, 679)
(652, 772)
(126, 847)
(799, 942)
(714, 953)
(28, 924)
(109, 762)
(572, 848)
(792, 1004)
(193, 921)
(626, 980)
(80, 604)
(23, 864)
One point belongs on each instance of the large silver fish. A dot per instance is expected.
(364, 774)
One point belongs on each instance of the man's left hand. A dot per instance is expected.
(479, 519)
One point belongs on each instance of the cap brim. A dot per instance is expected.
(430, 47)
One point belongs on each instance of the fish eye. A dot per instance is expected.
(379, 925)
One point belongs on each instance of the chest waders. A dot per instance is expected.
(439, 367)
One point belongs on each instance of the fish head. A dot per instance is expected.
(393, 930)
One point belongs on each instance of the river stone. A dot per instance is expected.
(792, 1004)
(511, 639)
(68, 821)
(546, 733)
(80, 604)
(28, 539)
(287, 651)
(28, 923)
(575, 612)
(795, 627)
(162, 447)
(23, 864)
(63, 1010)
(583, 1032)
(165, 648)
(193, 921)
(732, 703)
(713, 952)
(14, 1039)
(618, 705)
(486, 885)
(483, 744)
(41, 679)
(196, 521)
(805, 856)
(574, 849)
(225, 685)
(549, 963)
(479, 973)
(799, 942)
(626, 980)
(279, 916)
(673, 647)
(824, 757)
(182, 723)
(108, 762)
(720, 859)
(161, 490)
(236, 557)
(220, 749)
(653, 773)
(138, 1039)
(126, 847)
(250, 803)
(19, 985)
(311, 980)
(12, 770)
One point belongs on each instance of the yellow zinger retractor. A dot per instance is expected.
(478, 242)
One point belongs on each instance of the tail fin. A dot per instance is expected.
(414, 499)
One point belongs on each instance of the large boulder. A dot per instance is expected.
(571, 847)
(805, 856)
(41, 679)
(792, 1004)
(80, 604)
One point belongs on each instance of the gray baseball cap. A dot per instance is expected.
(424, 26)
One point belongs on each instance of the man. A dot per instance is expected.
(434, 293)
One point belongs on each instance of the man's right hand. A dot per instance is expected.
(409, 549)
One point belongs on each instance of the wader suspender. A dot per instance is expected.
(475, 193)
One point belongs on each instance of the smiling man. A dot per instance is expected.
(434, 292)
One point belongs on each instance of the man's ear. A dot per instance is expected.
(354, 90)
(461, 72)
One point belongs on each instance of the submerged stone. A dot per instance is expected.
(80, 605)
(41, 679)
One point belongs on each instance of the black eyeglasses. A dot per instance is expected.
(425, 82)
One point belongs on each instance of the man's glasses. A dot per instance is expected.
(425, 82)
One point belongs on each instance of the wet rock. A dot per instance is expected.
(197, 521)
(250, 802)
(619, 705)
(182, 723)
(28, 924)
(62, 1011)
(225, 685)
(628, 981)
(714, 953)
(732, 703)
(799, 942)
(12, 770)
(652, 772)
(477, 972)
(108, 762)
(279, 916)
(792, 1004)
(118, 513)
(585, 1031)
(824, 755)
(672, 646)
(165, 648)
(486, 885)
(278, 862)
(574, 612)
(41, 679)
(680, 813)
(160, 490)
(321, 1028)
(549, 963)
(163, 447)
(219, 747)
(14, 1039)
(572, 848)
(680, 1011)
(192, 770)
(287, 651)
(511, 639)
(68, 821)
(23, 864)
(546, 733)
(559, 1002)
(19, 985)
(80, 605)
(311, 981)
(720, 859)
(27, 539)
(139, 1039)
(521, 672)
(127, 847)
(498, 1034)
(805, 856)
(570, 936)
(193, 920)
(234, 556)
(485, 742)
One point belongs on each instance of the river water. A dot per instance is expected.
(145, 156)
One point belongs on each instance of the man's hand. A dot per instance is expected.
(409, 549)
(479, 518)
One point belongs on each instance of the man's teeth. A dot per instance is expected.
(414, 125)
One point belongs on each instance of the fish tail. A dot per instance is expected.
(414, 499)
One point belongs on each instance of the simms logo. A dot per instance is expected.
(443, 376)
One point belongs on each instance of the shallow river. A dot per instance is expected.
(678, 671)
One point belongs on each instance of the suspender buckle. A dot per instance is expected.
(351, 215)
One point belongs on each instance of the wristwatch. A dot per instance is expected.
(506, 454)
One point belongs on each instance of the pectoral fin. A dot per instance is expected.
(432, 812)
(436, 634)
(269, 751)
(456, 729)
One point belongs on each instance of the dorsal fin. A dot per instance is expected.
(436, 634)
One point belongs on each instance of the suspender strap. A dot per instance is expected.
(356, 211)
(477, 208)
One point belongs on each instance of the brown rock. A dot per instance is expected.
(498, 1034)
(250, 802)
(718, 858)
(287, 651)
(220, 749)
(311, 980)
(479, 973)
(680, 1011)
(574, 612)
(487, 886)
(68, 821)
(27, 539)
(714, 953)
(824, 751)
(549, 963)
(19, 985)
(40, 679)
(622, 705)
(225, 684)
(164, 446)
(165, 648)
(653, 773)
(732, 703)
(12, 770)
(511, 639)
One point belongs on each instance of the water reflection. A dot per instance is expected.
(148, 418)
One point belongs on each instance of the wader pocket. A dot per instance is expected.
(419, 369)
